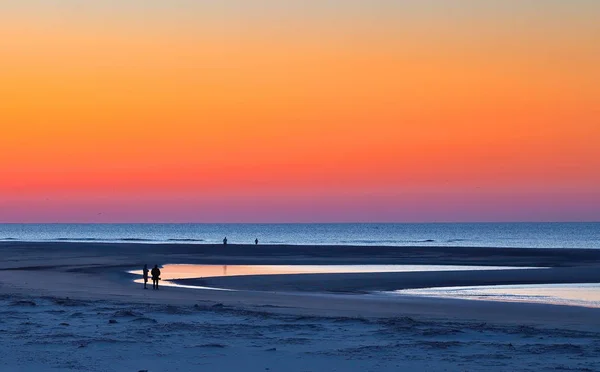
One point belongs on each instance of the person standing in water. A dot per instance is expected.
(155, 277)
(225, 241)
(256, 241)
(145, 271)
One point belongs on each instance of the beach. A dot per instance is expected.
(313, 186)
(73, 306)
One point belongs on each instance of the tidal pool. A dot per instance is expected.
(581, 294)
(172, 272)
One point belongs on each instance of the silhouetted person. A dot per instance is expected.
(146, 271)
(155, 277)
(256, 241)
(225, 241)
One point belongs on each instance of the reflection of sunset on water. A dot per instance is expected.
(173, 272)
(587, 294)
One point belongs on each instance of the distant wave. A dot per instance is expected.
(101, 240)
(136, 240)
(363, 241)
(81, 239)
(75, 239)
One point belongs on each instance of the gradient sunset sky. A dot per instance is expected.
(299, 111)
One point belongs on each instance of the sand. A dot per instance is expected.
(72, 307)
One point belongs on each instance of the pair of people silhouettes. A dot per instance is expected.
(155, 276)
(225, 241)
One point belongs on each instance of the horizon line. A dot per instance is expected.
(292, 223)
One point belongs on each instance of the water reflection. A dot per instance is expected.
(583, 294)
(171, 272)
(174, 272)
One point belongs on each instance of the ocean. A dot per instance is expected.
(517, 235)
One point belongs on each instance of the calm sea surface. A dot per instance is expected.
(521, 235)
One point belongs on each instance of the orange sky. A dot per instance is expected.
(326, 112)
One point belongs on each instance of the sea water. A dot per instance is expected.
(518, 235)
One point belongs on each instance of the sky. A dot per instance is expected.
(299, 111)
